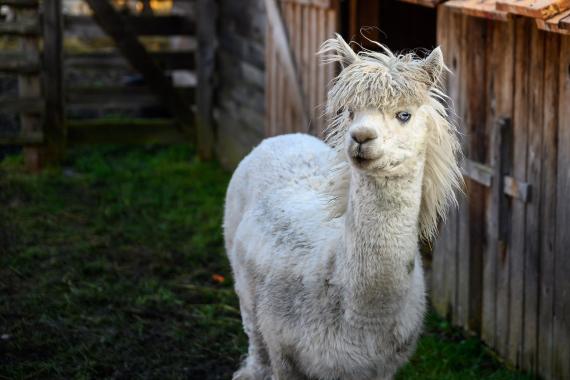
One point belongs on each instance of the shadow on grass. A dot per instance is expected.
(114, 267)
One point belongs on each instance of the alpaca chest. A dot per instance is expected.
(345, 352)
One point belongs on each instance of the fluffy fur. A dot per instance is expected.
(343, 297)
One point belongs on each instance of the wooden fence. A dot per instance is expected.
(61, 100)
(502, 261)
(296, 82)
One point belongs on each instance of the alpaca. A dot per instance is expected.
(323, 237)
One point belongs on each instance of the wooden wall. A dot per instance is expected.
(297, 81)
(240, 79)
(502, 262)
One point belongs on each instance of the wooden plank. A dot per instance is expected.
(321, 80)
(499, 113)
(142, 25)
(206, 60)
(470, 264)
(29, 86)
(424, 3)
(269, 86)
(313, 75)
(541, 9)
(478, 8)
(476, 171)
(548, 204)
(517, 243)
(24, 27)
(534, 174)
(439, 251)
(284, 52)
(21, 105)
(128, 44)
(287, 107)
(143, 131)
(52, 71)
(168, 60)
(118, 97)
(561, 328)
(27, 63)
(556, 23)
(517, 189)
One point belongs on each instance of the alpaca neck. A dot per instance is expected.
(381, 242)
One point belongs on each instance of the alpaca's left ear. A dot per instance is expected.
(434, 66)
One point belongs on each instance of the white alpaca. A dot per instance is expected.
(323, 239)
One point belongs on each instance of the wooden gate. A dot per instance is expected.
(296, 82)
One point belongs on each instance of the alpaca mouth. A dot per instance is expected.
(362, 160)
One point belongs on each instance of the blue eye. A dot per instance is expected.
(403, 116)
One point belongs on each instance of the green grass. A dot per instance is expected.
(106, 272)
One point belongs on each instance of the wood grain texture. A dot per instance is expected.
(499, 111)
(541, 9)
(517, 238)
(555, 23)
(281, 40)
(478, 8)
(561, 328)
(534, 176)
(548, 205)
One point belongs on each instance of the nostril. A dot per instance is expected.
(363, 135)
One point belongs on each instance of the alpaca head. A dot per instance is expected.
(388, 119)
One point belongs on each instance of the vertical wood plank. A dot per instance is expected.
(478, 146)
(500, 107)
(548, 202)
(561, 343)
(314, 79)
(533, 174)
(269, 82)
(287, 106)
(29, 85)
(440, 248)
(322, 83)
(207, 44)
(307, 58)
(517, 244)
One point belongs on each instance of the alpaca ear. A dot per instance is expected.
(337, 50)
(434, 66)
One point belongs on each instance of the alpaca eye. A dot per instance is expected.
(403, 116)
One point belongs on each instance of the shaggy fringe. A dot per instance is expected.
(387, 81)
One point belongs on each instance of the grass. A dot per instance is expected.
(114, 268)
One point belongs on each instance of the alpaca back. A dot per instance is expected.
(288, 172)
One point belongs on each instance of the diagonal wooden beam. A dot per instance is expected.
(116, 27)
(281, 41)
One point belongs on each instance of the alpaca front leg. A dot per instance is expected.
(284, 368)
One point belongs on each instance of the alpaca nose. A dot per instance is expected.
(363, 135)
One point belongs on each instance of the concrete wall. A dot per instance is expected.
(240, 79)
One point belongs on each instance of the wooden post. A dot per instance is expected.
(52, 70)
(29, 86)
(206, 19)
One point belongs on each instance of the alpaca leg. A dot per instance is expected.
(284, 368)
(256, 365)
